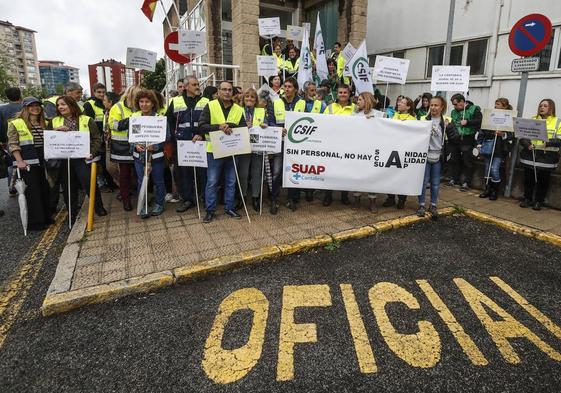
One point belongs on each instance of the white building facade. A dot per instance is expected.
(417, 31)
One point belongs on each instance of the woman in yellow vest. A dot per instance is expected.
(25, 140)
(292, 64)
(540, 158)
(69, 118)
(405, 111)
(278, 56)
(254, 117)
(343, 107)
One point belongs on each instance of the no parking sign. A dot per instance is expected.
(530, 35)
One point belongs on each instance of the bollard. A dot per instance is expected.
(93, 176)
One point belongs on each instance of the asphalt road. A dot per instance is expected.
(156, 342)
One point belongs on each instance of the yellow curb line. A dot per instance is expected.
(67, 301)
(510, 226)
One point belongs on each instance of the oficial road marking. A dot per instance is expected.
(501, 331)
(465, 341)
(228, 365)
(15, 293)
(421, 349)
(363, 349)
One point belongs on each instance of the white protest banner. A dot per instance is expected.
(498, 119)
(450, 78)
(191, 153)
(142, 59)
(269, 27)
(348, 52)
(147, 129)
(267, 140)
(224, 145)
(391, 69)
(267, 66)
(294, 33)
(530, 129)
(69, 144)
(305, 68)
(360, 70)
(321, 61)
(192, 42)
(378, 155)
(378, 114)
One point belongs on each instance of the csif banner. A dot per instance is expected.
(355, 153)
(360, 70)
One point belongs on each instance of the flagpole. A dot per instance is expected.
(240, 187)
(196, 192)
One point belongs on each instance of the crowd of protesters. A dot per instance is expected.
(455, 142)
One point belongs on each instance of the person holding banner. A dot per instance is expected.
(120, 148)
(276, 119)
(25, 141)
(147, 103)
(221, 114)
(467, 118)
(343, 107)
(424, 109)
(539, 159)
(441, 128)
(292, 63)
(69, 118)
(254, 117)
(499, 140)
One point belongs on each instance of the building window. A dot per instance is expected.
(436, 57)
(545, 54)
(476, 56)
(399, 54)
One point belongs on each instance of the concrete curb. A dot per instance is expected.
(57, 302)
(510, 226)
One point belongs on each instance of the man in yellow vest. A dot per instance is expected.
(221, 114)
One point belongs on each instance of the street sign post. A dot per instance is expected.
(527, 37)
(171, 47)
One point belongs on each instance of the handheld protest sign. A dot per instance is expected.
(348, 52)
(267, 66)
(391, 69)
(269, 27)
(294, 33)
(530, 129)
(236, 143)
(191, 153)
(142, 59)
(265, 140)
(147, 129)
(69, 144)
(192, 42)
(498, 119)
(450, 78)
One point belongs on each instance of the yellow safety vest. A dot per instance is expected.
(202, 103)
(336, 109)
(52, 100)
(258, 116)
(25, 140)
(119, 112)
(290, 68)
(178, 104)
(301, 106)
(99, 112)
(280, 62)
(217, 118)
(403, 116)
(553, 125)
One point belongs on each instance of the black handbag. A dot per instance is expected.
(5, 162)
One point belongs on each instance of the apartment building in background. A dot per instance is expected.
(19, 54)
(114, 75)
(55, 75)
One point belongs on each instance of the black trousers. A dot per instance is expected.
(461, 160)
(530, 183)
(79, 177)
(37, 194)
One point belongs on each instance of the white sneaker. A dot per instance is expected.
(168, 197)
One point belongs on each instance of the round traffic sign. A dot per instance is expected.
(171, 46)
(530, 35)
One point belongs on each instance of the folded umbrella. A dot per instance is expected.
(143, 193)
(22, 200)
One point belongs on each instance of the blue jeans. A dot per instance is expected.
(186, 183)
(432, 175)
(214, 172)
(495, 168)
(157, 174)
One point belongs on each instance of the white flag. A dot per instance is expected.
(321, 62)
(360, 70)
(305, 68)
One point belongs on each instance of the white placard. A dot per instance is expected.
(192, 42)
(294, 33)
(236, 143)
(379, 155)
(147, 129)
(66, 144)
(307, 26)
(498, 119)
(450, 78)
(267, 140)
(142, 59)
(191, 153)
(530, 129)
(269, 27)
(348, 52)
(391, 69)
(267, 66)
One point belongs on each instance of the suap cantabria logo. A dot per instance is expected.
(301, 127)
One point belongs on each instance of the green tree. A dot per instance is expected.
(37, 92)
(6, 80)
(156, 80)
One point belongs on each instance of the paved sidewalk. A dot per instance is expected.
(125, 254)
